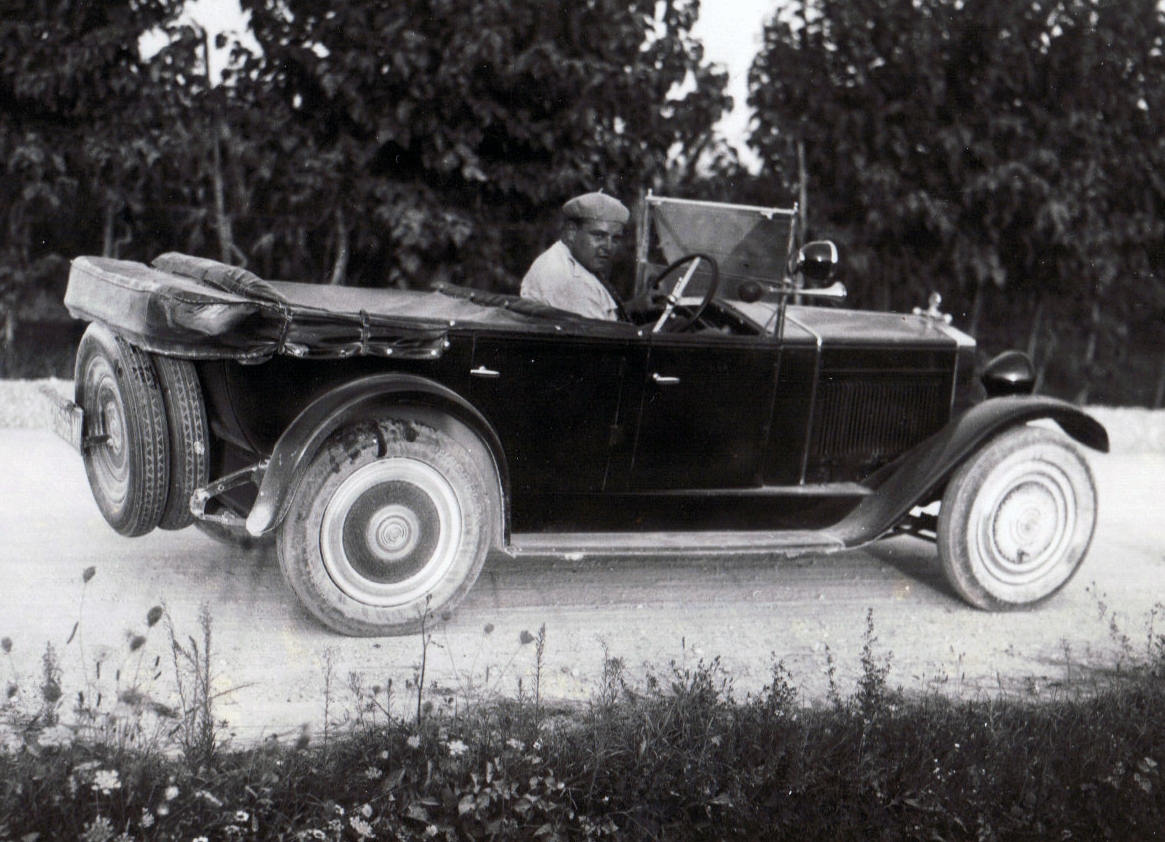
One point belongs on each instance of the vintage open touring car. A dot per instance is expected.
(389, 439)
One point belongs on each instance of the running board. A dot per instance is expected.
(580, 545)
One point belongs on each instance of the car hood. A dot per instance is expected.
(838, 327)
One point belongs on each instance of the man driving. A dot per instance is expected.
(571, 274)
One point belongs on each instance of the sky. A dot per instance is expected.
(729, 29)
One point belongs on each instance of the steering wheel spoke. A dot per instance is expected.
(677, 317)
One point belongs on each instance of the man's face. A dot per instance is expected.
(593, 243)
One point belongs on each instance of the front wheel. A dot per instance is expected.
(1017, 519)
(390, 523)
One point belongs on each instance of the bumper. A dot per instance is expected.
(65, 417)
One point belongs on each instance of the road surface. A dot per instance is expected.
(271, 660)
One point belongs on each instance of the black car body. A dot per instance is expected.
(392, 438)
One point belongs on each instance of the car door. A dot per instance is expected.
(560, 402)
(705, 411)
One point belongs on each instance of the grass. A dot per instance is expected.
(677, 756)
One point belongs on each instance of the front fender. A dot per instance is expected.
(916, 475)
(363, 399)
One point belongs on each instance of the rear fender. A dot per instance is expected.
(369, 399)
(919, 474)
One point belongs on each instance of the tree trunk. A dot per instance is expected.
(1159, 395)
(9, 359)
(226, 241)
(343, 250)
(802, 189)
(107, 232)
(1033, 338)
(1042, 368)
(976, 309)
(1090, 352)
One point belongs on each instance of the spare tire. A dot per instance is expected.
(125, 442)
(188, 438)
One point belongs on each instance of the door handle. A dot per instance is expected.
(663, 379)
(482, 371)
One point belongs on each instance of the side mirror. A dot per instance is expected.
(817, 260)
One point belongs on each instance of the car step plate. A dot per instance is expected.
(581, 545)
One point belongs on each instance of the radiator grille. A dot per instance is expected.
(871, 420)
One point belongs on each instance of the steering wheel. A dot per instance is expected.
(683, 322)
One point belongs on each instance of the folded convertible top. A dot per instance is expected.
(197, 308)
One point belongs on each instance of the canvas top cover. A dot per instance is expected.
(201, 309)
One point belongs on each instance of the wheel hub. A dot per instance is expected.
(1026, 520)
(1026, 523)
(392, 532)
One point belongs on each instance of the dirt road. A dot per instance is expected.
(270, 657)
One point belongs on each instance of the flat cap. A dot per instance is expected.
(598, 206)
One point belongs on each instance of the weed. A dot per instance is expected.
(192, 675)
(676, 757)
(872, 687)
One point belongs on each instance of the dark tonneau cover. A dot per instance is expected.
(197, 308)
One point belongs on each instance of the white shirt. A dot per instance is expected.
(557, 279)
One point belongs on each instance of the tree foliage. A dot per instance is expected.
(439, 135)
(978, 146)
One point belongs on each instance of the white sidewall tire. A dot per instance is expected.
(188, 438)
(390, 520)
(1017, 519)
(117, 388)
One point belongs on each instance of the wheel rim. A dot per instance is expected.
(391, 532)
(109, 459)
(1025, 519)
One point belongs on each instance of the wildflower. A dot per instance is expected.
(241, 816)
(373, 773)
(163, 810)
(516, 744)
(362, 828)
(10, 742)
(6, 644)
(457, 748)
(55, 736)
(153, 616)
(106, 780)
(199, 839)
(88, 574)
(208, 797)
(431, 830)
(384, 755)
(339, 810)
(98, 830)
(366, 811)
(525, 637)
(171, 792)
(147, 819)
(137, 642)
(414, 741)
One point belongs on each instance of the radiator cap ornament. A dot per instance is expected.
(932, 311)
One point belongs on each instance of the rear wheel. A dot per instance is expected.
(390, 522)
(125, 444)
(1017, 519)
(188, 437)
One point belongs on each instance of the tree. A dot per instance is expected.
(432, 139)
(70, 75)
(993, 143)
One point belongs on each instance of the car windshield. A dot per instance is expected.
(747, 242)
